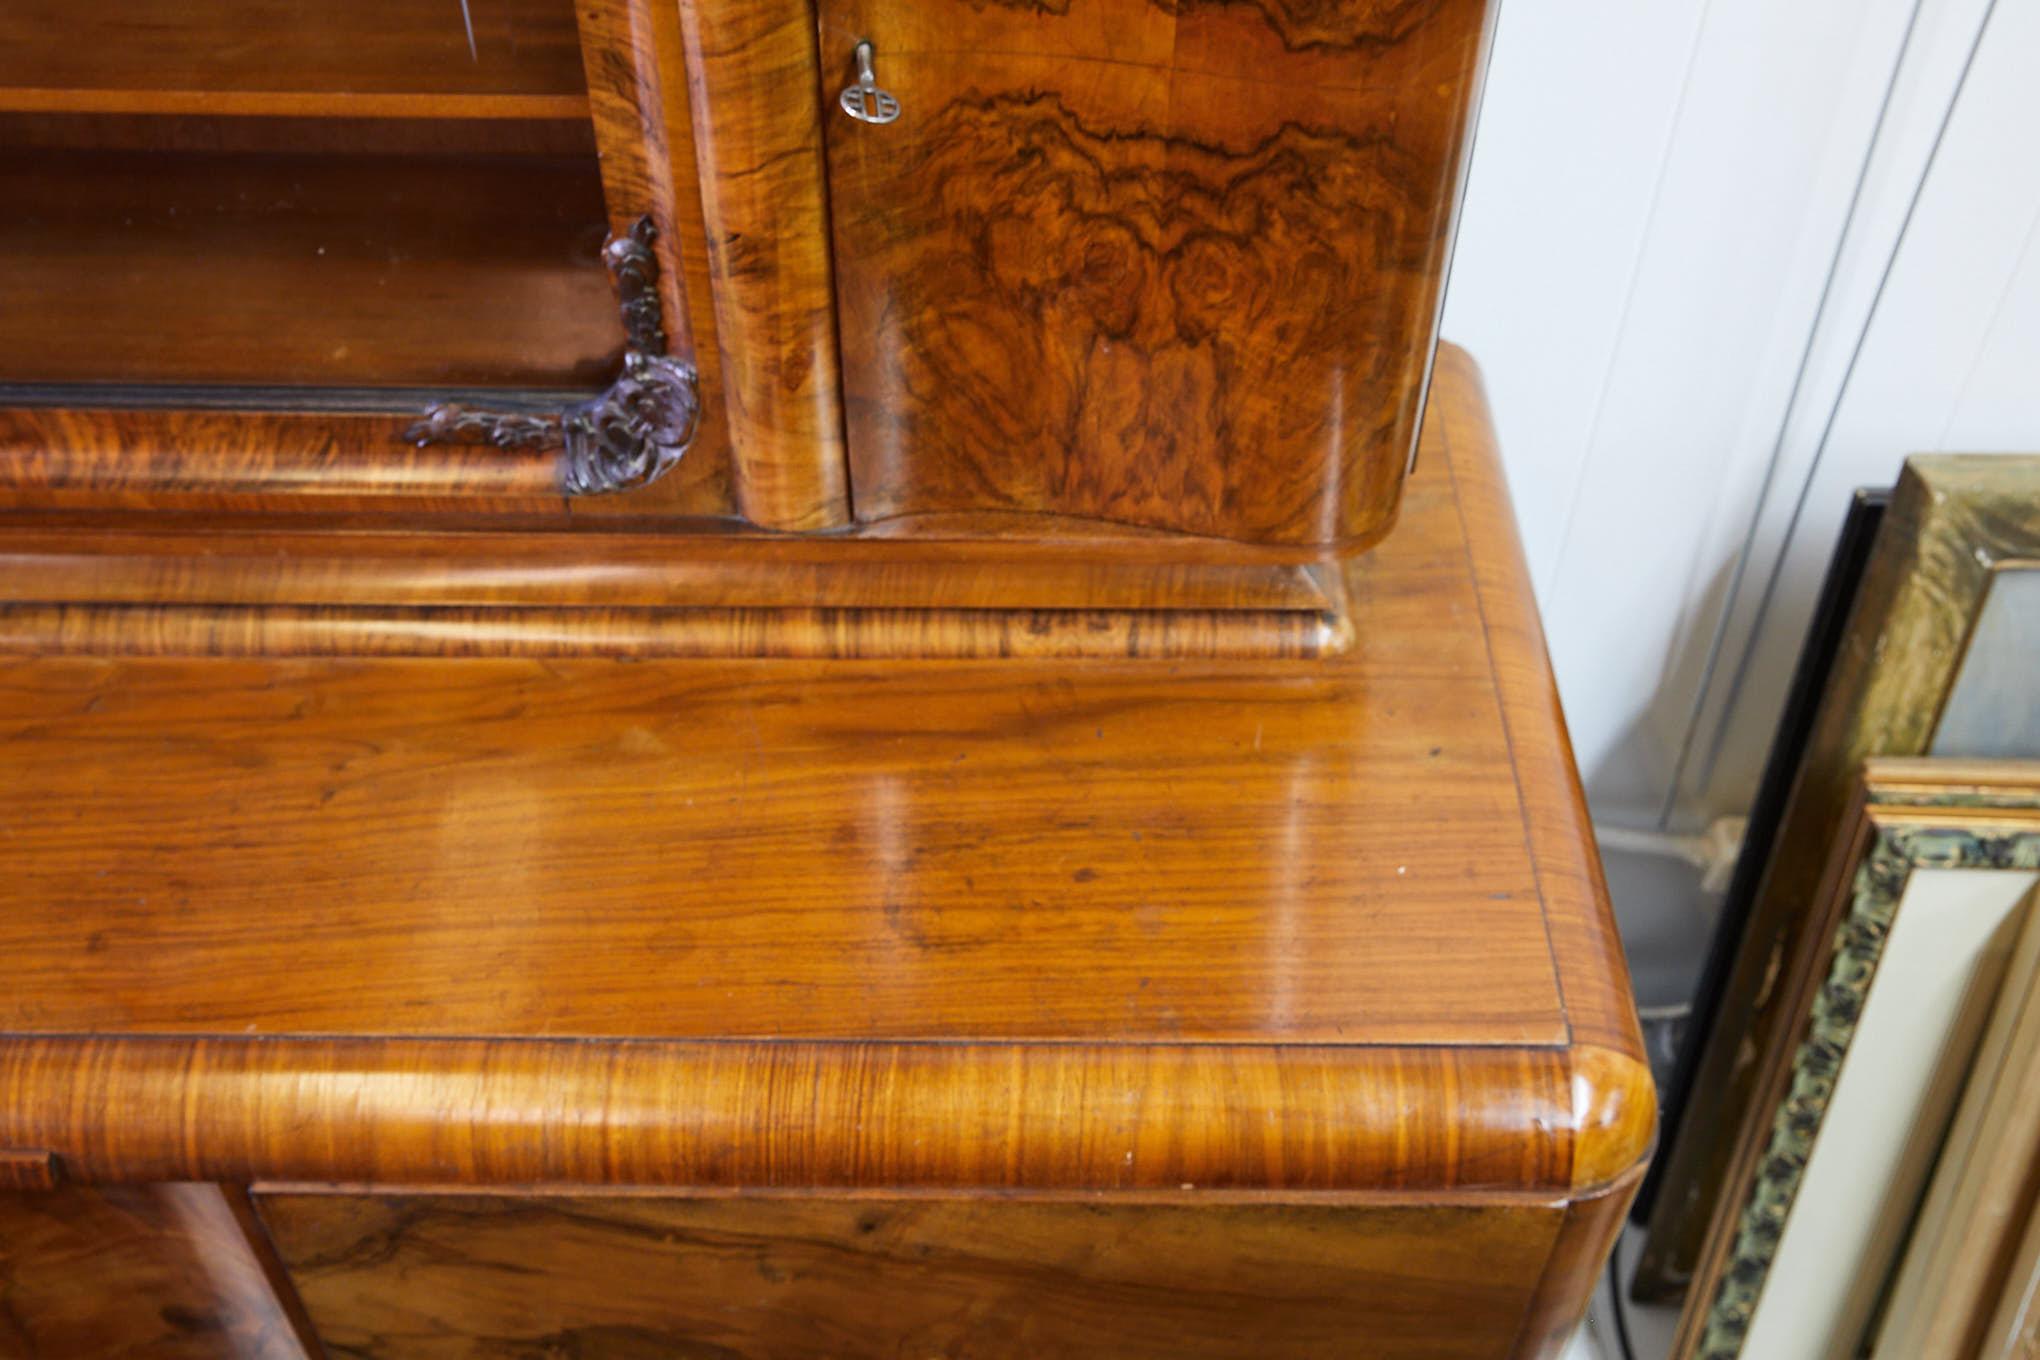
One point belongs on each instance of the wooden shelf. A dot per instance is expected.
(292, 103)
(319, 269)
(361, 59)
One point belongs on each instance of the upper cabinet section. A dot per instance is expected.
(1172, 264)
(1047, 271)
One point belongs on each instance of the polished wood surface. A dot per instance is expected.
(1049, 1006)
(1161, 812)
(1587, 1232)
(146, 459)
(738, 1110)
(365, 57)
(833, 1278)
(1224, 856)
(20, 1170)
(906, 634)
(171, 1272)
(112, 586)
(1157, 264)
(326, 270)
(117, 560)
(912, 899)
(637, 92)
(758, 138)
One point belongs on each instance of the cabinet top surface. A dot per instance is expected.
(1387, 848)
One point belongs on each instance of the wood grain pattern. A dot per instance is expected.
(758, 140)
(1952, 519)
(323, 270)
(103, 560)
(29, 1171)
(637, 94)
(1205, 300)
(164, 1271)
(146, 458)
(864, 633)
(1189, 796)
(820, 1279)
(375, 57)
(1227, 854)
(747, 1112)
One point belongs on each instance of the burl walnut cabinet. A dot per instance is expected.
(774, 678)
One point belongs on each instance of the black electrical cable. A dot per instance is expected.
(1615, 1301)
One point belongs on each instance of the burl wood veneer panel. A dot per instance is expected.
(119, 1272)
(1168, 264)
(435, 1277)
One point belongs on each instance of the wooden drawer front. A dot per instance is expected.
(1167, 264)
(429, 1276)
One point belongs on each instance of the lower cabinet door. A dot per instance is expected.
(789, 1277)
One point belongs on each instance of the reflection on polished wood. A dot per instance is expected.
(1205, 298)
(1227, 848)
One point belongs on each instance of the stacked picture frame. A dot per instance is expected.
(1910, 797)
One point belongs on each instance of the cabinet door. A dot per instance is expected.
(1169, 263)
(250, 245)
(822, 1277)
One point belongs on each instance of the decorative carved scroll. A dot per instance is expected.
(631, 434)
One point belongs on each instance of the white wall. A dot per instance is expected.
(1722, 261)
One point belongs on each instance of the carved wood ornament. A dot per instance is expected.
(628, 436)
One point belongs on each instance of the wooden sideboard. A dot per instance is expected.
(783, 1007)
(728, 678)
